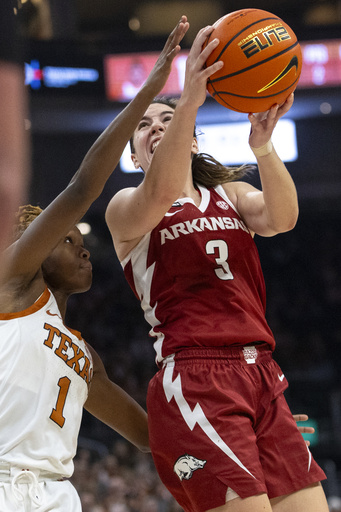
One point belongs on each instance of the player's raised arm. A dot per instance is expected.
(163, 143)
(98, 164)
(106, 398)
(274, 208)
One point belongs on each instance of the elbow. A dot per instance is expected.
(165, 198)
(292, 224)
(164, 195)
(291, 220)
(144, 448)
(142, 443)
(286, 224)
(141, 434)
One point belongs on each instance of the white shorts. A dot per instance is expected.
(25, 493)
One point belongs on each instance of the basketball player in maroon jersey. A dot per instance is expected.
(221, 433)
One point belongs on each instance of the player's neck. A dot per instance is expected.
(61, 298)
(192, 192)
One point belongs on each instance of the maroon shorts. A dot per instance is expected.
(218, 420)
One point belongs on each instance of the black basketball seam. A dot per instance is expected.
(211, 81)
(243, 30)
(220, 93)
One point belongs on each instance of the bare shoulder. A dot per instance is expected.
(116, 204)
(117, 213)
(120, 197)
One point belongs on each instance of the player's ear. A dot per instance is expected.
(135, 161)
(195, 147)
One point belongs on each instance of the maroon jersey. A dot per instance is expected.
(199, 279)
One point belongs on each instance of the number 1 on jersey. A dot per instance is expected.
(57, 412)
(224, 271)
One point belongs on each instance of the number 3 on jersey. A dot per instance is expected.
(220, 250)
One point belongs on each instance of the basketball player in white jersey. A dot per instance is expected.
(47, 371)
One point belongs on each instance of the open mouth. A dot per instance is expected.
(154, 146)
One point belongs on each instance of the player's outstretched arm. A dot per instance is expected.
(88, 182)
(133, 212)
(114, 407)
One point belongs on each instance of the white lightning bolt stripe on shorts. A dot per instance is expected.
(196, 416)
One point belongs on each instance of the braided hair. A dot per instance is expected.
(24, 216)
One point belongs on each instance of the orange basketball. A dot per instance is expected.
(262, 61)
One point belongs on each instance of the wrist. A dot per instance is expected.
(264, 150)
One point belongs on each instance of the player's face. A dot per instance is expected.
(68, 267)
(149, 132)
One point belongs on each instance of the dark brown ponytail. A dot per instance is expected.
(209, 172)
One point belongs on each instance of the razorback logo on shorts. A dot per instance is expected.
(186, 465)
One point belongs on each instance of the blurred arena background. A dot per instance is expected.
(67, 47)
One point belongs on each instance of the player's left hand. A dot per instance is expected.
(303, 429)
(263, 123)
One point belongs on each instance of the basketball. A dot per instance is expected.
(262, 61)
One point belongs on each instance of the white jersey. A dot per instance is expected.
(45, 370)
